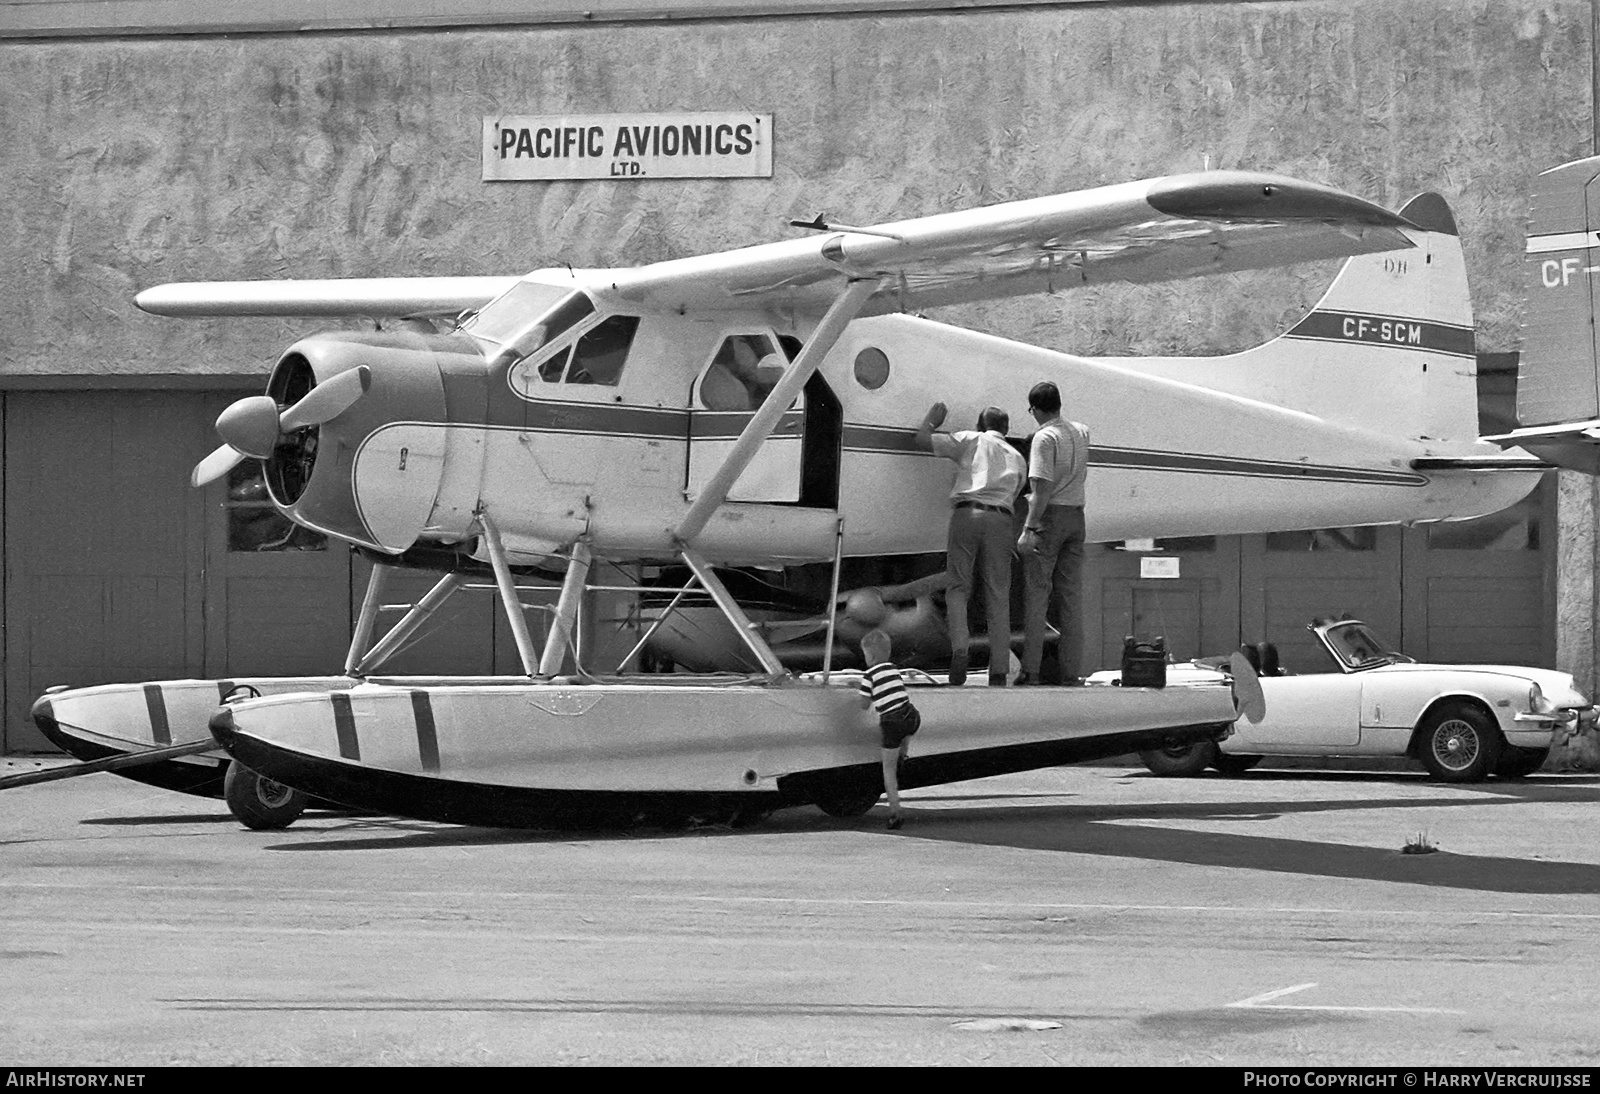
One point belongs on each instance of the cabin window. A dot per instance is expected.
(745, 370)
(254, 525)
(872, 368)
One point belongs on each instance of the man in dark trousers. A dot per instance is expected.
(987, 483)
(1052, 539)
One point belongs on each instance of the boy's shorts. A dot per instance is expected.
(898, 724)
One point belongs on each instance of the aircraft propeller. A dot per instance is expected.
(250, 428)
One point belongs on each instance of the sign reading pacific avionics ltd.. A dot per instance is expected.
(627, 146)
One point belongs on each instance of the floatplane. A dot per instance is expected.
(757, 407)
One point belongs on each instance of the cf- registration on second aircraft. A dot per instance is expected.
(758, 406)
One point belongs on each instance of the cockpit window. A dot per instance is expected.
(596, 357)
(599, 354)
(508, 314)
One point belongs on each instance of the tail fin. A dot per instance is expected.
(1558, 377)
(1390, 347)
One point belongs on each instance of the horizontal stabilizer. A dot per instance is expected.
(1572, 445)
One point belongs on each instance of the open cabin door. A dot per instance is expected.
(723, 399)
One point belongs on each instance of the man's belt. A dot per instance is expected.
(964, 504)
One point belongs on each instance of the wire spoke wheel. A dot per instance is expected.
(1460, 743)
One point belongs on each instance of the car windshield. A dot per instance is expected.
(1357, 647)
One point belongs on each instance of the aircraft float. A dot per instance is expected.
(757, 407)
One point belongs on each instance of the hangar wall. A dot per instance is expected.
(132, 161)
(135, 160)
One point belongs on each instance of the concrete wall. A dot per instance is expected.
(130, 162)
(33, 18)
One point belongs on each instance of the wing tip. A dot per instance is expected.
(1244, 195)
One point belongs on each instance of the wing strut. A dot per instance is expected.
(760, 427)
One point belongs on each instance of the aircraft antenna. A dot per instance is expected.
(822, 225)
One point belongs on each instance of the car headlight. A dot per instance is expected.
(1537, 701)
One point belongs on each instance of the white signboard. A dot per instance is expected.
(1158, 567)
(627, 146)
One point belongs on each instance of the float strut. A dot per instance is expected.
(655, 626)
(509, 597)
(367, 619)
(565, 625)
(730, 608)
(416, 617)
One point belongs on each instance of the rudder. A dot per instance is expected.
(1558, 375)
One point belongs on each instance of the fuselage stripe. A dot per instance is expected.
(900, 441)
(880, 439)
(1388, 331)
(344, 726)
(156, 704)
(1132, 459)
(427, 731)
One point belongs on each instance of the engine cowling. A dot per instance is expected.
(371, 474)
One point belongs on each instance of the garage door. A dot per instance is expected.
(118, 571)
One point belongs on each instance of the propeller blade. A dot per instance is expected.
(250, 426)
(216, 465)
(327, 400)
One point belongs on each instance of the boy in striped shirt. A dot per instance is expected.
(884, 690)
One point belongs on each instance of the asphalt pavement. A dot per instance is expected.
(1080, 915)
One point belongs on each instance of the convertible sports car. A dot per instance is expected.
(1463, 722)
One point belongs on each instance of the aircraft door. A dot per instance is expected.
(723, 399)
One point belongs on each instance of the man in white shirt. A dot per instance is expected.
(988, 479)
(1052, 539)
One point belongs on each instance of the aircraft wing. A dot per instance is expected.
(345, 296)
(1155, 230)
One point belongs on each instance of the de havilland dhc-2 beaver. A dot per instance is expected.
(757, 407)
